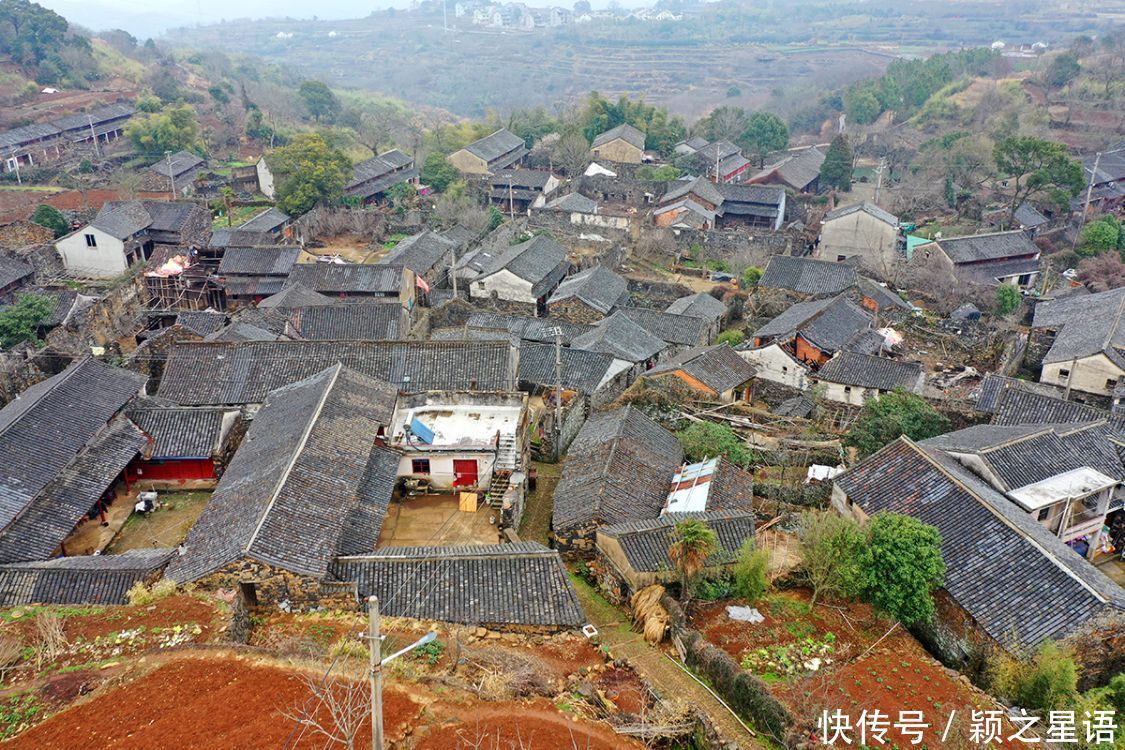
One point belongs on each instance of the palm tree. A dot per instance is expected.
(695, 542)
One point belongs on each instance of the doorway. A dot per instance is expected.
(464, 472)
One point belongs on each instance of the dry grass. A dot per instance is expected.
(649, 614)
(140, 595)
(50, 638)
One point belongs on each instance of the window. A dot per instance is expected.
(1025, 279)
(847, 389)
(1064, 373)
(91, 241)
(841, 258)
(420, 466)
(1110, 383)
(1044, 513)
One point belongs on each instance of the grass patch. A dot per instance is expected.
(18, 713)
(239, 215)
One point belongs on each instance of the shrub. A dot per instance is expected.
(902, 566)
(832, 554)
(348, 647)
(885, 419)
(140, 595)
(751, 276)
(702, 440)
(734, 338)
(20, 322)
(51, 218)
(1046, 682)
(85, 166)
(750, 571)
(1008, 300)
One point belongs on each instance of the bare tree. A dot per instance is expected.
(337, 708)
(572, 153)
(461, 209)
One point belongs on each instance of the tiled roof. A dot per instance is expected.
(582, 371)
(807, 276)
(348, 278)
(883, 297)
(203, 322)
(1086, 325)
(866, 207)
(1050, 593)
(379, 173)
(735, 193)
(97, 116)
(790, 320)
(181, 432)
(700, 305)
(12, 270)
(574, 202)
(85, 579)
(684, 330)
(266, 221)
(1019, 406)
(625, 132)
(797, 170)
(377, 321)
(44, 429)
(993, 385)
(212, 373)
(295, 295)
(502, 143)
(645, 543)
(528, 329)
(17, 137)
(122, 219)
(840, 323)
(530, 179)
(421, 253)
(541, 261)
(618, 469)
(240, 331)
(850, 368)
(227, 237)
(717, 367)
(1029, 217)
(310, 441)
(253, 286)
(621, 337)
(598, 287)
(178, 164)
(988, 247)
(490, 585)
(259, 261)
(700, 186)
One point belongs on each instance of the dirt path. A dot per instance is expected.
(535, 526)
(667, 679)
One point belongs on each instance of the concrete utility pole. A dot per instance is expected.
(453, 268)
(375, 656)
(558, 384)
(511, 202)
(171, 175)
(16, 161)
(94, 136)
(879, 180)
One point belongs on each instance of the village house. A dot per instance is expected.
(985, 259)
(862, 233)
(541, 330)
(487, 156)
(777, 364)
(176, 174)
(213, 373)
(798, 171)
(761, 206)
(250, 274)
(371, 321)
(428, 254)
(620, 337)
(701, 305)
(713, 484)
(307, 484)
(519, 190)
(358, 282)
(690, 146)
(81, 579)
(189, 445)
(1106, 183)
(1087, 354)
(371, 179)
(523, 275)
(37, 144)
(624, 144)
(716, 371)
(588, 296)
(987, 602)
(1030, 219)
(854, 379)
(14, 275)
(272, 221)
(813, 331)
(581, 210)
(634, 554)
(127, 232)
(679, 332)
(689, 204)
(64, 446)
(807, 278)
(597, 377)
(722, 162)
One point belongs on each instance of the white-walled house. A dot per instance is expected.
(526, 273)
(854, 379)
(775, 364)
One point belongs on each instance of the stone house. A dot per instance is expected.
(524, 275)
(588, 296)
(372, 178)
(986, 259)
(519, 190)
(620, 337)
(428, 254)
(862, 233)
(14, 274)
(176, 174)
(813, 331)
(624, 144)
(799, 171)
(81, 579)
(679, 332)
(1087, 354)
(701, 305)
(308, 484)
(716, 371)
(359, 281)
(808, 278)
(189, 445)
(775, 363)
(580, 210)
(852, 378)
(487, 156)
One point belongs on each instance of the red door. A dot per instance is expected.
(464, 472)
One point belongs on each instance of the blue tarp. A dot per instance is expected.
(421, 431)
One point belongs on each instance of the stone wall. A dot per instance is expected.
(275, 587)
(738, 247)
(574, 310)
(574, 415)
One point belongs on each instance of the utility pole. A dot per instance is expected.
(94, 136)
(375, 657)
(879, 180)
(511, 203)
(558, 384)
(171, 176)
(16, 161)
(453, 268)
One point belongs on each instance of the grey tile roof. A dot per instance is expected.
(379, 173)
(797, 170)
(21, 136)
(377, 321)
(122, 219)
(1050, 593)
(993, 385)
(421, 253)
(619, 468)
(582, 371)
(85, 579)
(598, 287)
(1086, 325)
(501, 145)
(840, 323)
(573, 202)
(180, 163)
(528, 329)
(991, 246)
(12, 270)
(348, 278)
(736, 194)
(227, 237)
(489, 585)
(240, 331)
(298, 479)
(849, 368)
(203, 322)
(790, 320)
(700, 186)
(645, 543)
(1029, 217)
(528, 179)
(882, 296)
(717, 367)
(247, 287)
(213, 373)
(45, 428)
(181, 432)
(97, 116)
(866, 207)
(700, 305)
(171, 216)
(625, 132)
(683, 330)
(720, 150)
(267, 221)
(295, 295)
(541, 261)
(1016, 406)
(41, 525)
(259, 261)
(621, 337)
(808, 276)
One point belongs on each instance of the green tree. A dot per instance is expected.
(695, 541)
(29, 32)
(1048, 681)
(1008, 299)
(148, 103)
(832, 554)
(52, 218)
(751, 276)
(702, 440)
(1037, 167)
(902, 567)
(1063, 69)
(725, 123)
(836, 171)
(662, 130)
(308, 171)
(174, 129)
(734, 338)
(438, 173)
(751, 571)
(20, 322)
(321, 102)
(892, 415)
(1101, 236)
(862, 106)
(765, 132)
(495, 217)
